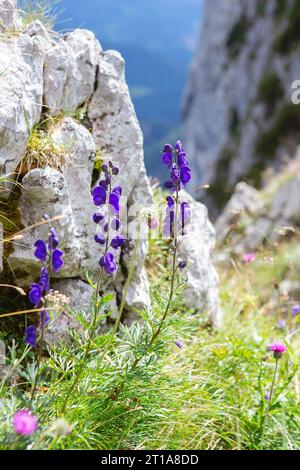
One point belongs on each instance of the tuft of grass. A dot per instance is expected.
(43, 10)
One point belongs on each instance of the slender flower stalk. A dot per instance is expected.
(107, 219)
(177, 216)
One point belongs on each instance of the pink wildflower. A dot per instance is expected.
(278, 349)
(249, 257)
(25, 423)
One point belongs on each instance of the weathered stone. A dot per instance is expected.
(21, 66)
(245, 201)
(201, 291)
(237, 88)
(70, 71)
(9, 20)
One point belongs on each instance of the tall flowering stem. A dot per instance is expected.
(106, 198)
(50, 258)
(177, 217)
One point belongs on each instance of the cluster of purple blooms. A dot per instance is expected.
(107, 218)
(50, 257)
(177, 213)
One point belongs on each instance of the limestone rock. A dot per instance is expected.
(239, 88)
(8, 16)
(201, 291)
(21, 67)
(70, 71)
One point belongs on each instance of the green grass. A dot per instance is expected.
(207, 395)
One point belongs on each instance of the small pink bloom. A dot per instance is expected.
(153, 223)
(278, 349)
(25, 423)
(249, 257)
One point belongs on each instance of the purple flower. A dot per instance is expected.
(170, 201)
(105, 167)
(185, 212)
(115, 170)
(100, 239)
(53, 239)
(169, 185)
(281, 324)
(35, 294)
(97, 218)
(99, 196)
(114, 201)
(249, 257)
(117, 190)
(185, 175)
(103, 184)
(44, 280)
(182, 265)
(40, 250)
(117, 242)
(57, 262)
(182, 161)
(167, 159)
(25, 423)
(30, 336)
(179, 147)
(267, 397)
(179, 344)
(175, 174)
(168, 148)
(278, 349)
(108, 263)
(296, 309)
(115, 225)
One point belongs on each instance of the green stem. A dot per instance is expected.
(272, 388)
(87, 347)
(128, 280)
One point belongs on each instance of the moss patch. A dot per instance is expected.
(289, 38)
(270, 91)
(237, 36)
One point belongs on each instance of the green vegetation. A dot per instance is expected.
(207, 395)
(285, 126)
(289, 38)
(280, 8)
(270, 91)
(237, 36)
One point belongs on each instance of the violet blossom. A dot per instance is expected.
(108, 218)
(278, 349)
(25, 423)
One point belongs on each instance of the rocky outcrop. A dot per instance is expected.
(253, 218)
(196, 246)
(239, 116)
(9, 20)
(47, 79)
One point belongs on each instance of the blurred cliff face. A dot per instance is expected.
(157, 39)
(240, 106)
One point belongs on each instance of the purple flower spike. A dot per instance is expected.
(296, 309)
(25, 423)
(99, 196)
(53, 239)
(35, 294)
(108, 263)
(30, 336)
(185, 175)
(278, 349)
(44, 280)
(57, 262)
(97, 218)
(114, 201)
(100, 239)
(40, 250)
(167, 159)
(117, 242)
